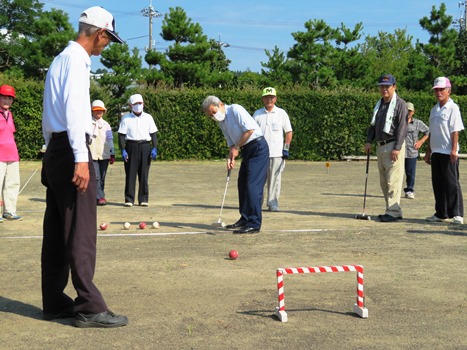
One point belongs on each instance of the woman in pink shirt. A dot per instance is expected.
(9, 157)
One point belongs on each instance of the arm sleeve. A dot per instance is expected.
(401, 132)
(370, 134)
(121, 141)
(154, 139)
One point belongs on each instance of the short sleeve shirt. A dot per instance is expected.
(238, 121)
(273, 125)
(414, 128)
(137, 128)
(443, 122)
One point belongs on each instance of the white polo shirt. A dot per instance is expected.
(444, 121)
(137, 128)
(67, 105)
(273, 124)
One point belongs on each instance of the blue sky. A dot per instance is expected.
(250, 26)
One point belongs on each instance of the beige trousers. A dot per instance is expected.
(391, 176)
(9, 186)
(276, 167)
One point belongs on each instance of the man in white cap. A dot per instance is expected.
(412, 145)
(137, 130)
(274, 123)
(70, 232)
(102, 148)
(443, 155)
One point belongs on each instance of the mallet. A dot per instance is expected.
(363, 216)
(219, 222)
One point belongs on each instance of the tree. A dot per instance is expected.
(419, 73)
(386, 53)
(125, 69)
(191, 59)
(441, 47)
(459, 77)
(348, 63)
(52, 31)
(311, 57)
(276, 69)
(31, 38)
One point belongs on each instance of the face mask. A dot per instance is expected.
(137, 108)
(219, 116)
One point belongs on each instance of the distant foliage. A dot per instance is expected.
(328, 125)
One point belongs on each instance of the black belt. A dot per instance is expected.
(57, 135)
(384, 142)
(137, 141)
(258, 139)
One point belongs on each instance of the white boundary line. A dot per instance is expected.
(154, 234)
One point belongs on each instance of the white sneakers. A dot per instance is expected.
(457, 220)
(410, 195)
(128, 204)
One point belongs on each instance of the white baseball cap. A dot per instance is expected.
(98, 17)
(98, 105)
(136, 99)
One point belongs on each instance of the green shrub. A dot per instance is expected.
(327, 124)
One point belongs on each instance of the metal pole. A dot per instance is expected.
(150, 12)
(465, 15)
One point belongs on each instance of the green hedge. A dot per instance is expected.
(327, 125)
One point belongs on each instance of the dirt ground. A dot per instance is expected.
(180, 290)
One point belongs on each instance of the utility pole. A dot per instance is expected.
(221, 43)
(151, 13)
(462, 22)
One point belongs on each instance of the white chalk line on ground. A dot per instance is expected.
(154, 234)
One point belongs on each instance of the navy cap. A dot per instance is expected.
(386, 79)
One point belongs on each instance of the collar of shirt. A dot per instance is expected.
(6, 114)
(75, 46)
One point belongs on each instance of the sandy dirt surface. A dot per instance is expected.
(181, 291)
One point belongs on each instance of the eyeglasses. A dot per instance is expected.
(439, 89)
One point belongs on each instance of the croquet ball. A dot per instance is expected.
(126, 225)
(103, 226)
(155, 224)
(233, 254)
(142, 225)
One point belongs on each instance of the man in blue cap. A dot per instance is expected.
(388, 128)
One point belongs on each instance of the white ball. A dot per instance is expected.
(155, 224)
(126, 225)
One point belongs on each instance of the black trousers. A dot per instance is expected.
(446, 186)
(70, 233)
(139, 161)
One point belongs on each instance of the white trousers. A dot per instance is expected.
(391, 176)
(9, 186)
(276, 167)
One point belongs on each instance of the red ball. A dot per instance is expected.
(233, 254)
(142, 225)
(103, 226)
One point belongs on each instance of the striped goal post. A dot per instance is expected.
(359, 308)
